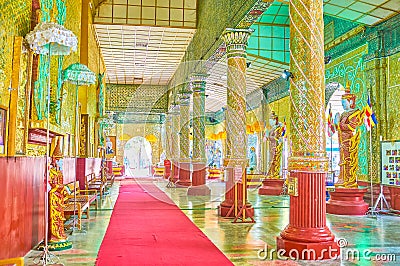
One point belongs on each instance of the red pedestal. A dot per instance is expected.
(175, 171)
(347, 201)
(271, 187)
(307, 233)
(184, 175)
(199, 187)
(225, 209)
(167, 169)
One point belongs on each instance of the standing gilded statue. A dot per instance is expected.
(275, 138)
(349, 138)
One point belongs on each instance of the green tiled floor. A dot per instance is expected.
(241, 242)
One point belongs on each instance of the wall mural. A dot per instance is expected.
(351, 69)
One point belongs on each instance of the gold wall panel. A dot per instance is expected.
(393, 96)
(15, 21)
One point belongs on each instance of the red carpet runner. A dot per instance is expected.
(144, 230)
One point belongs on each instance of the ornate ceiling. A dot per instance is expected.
(143, 42)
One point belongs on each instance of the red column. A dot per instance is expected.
(175, 171)
(184, 174)
(307, 228)
(306, 237)
(199, 187)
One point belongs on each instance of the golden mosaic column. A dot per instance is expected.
(236, 139)
(236, 42)
(198, 86)
(175, 150)
(308, 163)
(168, 135)
(184, 160)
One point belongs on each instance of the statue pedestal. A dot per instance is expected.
(347, 201)
(272, 187)
(56, 245)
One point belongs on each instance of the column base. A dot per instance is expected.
(184, 175)
(308, 251)
(199, 174)
(226, 209)
(174, 172)
(347, 201)
(202, 190)
(272, 187)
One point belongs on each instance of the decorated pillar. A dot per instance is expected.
(168, 135)
(174, 148)
(263, 139)
(235, 159)
(308, 163)
(198, 85)
(184, 141)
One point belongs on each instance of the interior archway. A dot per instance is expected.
(332, 142)
(138, 157)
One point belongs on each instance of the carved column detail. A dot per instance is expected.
(308, 163)
(198, 85)
(236, 139)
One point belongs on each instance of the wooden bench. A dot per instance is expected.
(78, 201)
(109, 177)
(95, 183)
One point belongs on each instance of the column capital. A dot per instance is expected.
(198, 82)
(236, 41)
(184, 98)
(174, 109)
(184, 94)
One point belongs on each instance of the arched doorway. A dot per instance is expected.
(332, 140)
(138, 157)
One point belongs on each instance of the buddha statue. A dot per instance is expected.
(349, 138)
(275, 146)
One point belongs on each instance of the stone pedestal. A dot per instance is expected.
(199, 187)
(184, 175)
(347, 201)
(272, 187)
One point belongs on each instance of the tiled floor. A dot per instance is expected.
(241, 242)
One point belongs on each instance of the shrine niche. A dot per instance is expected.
(111, 147)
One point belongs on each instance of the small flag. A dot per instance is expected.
(284, 128)
(370, 118)
(331, 126)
